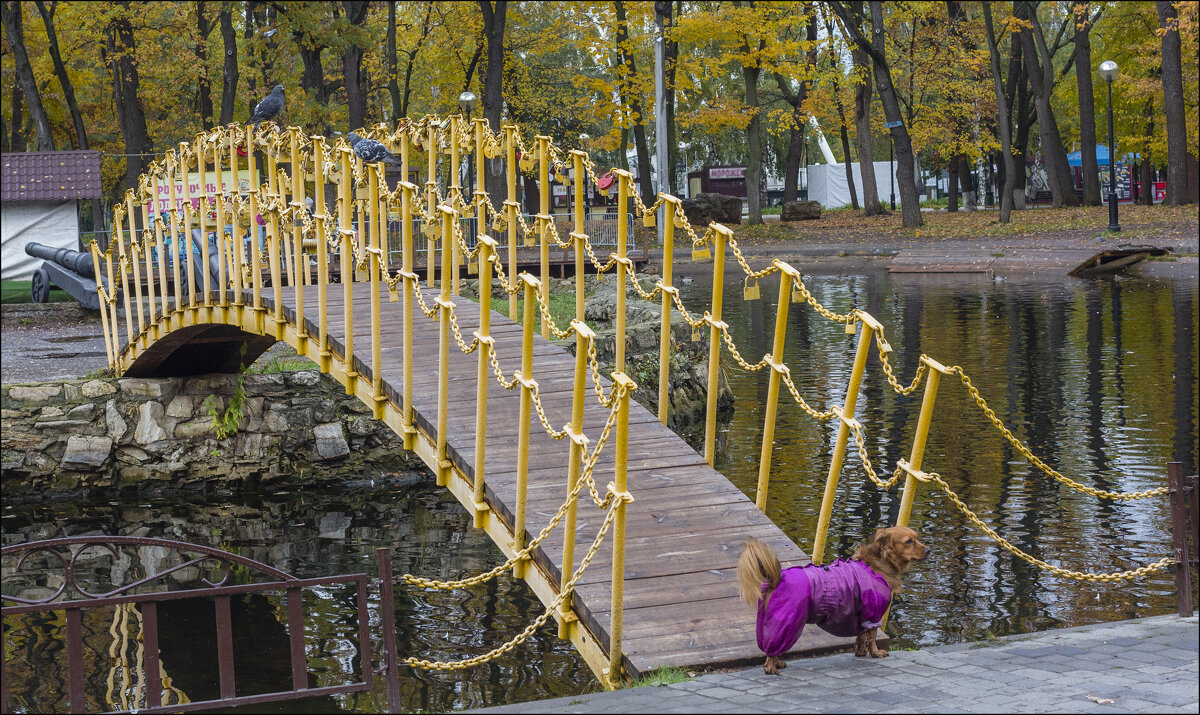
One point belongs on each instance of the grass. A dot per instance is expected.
(562, 309)
(281, 364)
(19, 292)
(664, 675)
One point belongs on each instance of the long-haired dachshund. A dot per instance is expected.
(845, 598)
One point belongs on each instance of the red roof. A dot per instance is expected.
(50, 175)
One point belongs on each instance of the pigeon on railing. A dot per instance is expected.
(269, 108)
(371, 151)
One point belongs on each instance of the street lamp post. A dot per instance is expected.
(587, 190)
(1108, 70)
(892, 168)
(466, 102)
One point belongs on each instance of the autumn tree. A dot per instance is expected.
(14, 31)
(1172, 82)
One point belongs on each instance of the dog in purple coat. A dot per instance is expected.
(848, 597)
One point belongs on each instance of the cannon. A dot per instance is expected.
(70, 270)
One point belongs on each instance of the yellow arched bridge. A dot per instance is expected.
(626, 534)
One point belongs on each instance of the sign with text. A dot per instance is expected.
(718, 173)
(163, 195)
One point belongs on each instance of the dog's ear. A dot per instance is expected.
(880, 533)
(885, 542)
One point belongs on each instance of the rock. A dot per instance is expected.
(63, 425)
(86, 411)
(331, 441)
(51, 411)
(180, 406)
(148, 387)
(86, 452)
(97, 388)
(113, 421)
(333, 525)
(149, 428)
(702, 209)
(800, 211)
(304, 378)
(191, 430)
(35, 393)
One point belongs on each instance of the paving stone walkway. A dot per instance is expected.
(1138, 666)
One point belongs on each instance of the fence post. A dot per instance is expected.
(178, 243)
(219, 232)
(108, 343)
(388, 617)
(664, 337)
(411, 283)
(445, 305)
(579, 443)
(869, 326)
(274, 254)
(256, 248)
(123, 268)
(453, 191)
(431, 195)
(235, 230)
(527, 385)
(319, 209)
(206, 278)
(513, 169)
(483, 380)
(624, 180)
(377, 258)
(348, 266)
(1179, 538)
(134, 266)
(297, 204)
(144, 184)
(786, 275)
(112, 292)
(936, 370)
(544, 219)
(616, 612)
(721, 234)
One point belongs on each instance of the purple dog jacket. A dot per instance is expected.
(843, 598)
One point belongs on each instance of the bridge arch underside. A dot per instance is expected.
(199, 350)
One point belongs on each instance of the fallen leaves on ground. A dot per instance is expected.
(1100, 701)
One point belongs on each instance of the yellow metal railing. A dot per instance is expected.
(299, 248)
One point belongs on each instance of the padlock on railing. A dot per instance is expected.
(797, 294)
(751, 292)
(527, 163)
(648, 219)
(696, 334)
(701, 253)
(393, 293)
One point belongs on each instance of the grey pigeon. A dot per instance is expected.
(269, 108)
(371, 151)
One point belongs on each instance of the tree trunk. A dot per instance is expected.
(671, 58)
(204, 87)
(1148, 168)
(1176, 119)
(352, 70)
(841, 110)
(229, 76)
(1008, 169)
(17, 142)
(493, 99)
(1087, 107)
(967, 182)
(393, 64)
(1041, 78)
(121, 44)
(862, 131)
(81, 140)
(952, 198)
(796, 139)
(16, 39)
(631, 99)
(754, 139)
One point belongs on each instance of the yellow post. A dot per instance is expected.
(346, 232)
(135, 267)
(297, 204)
(431, 200)
(936, 370)
(449, 216)
(583, 334)
(189, 249)
(219, 230)
(511, 205)
(278, 270)
(664, 337)
(377, 257)
(152, 323)
(544, 218)
(201, 160)
(453, 191)
(484, 378)
(480, 195)
(616, 610)
(624, 181)
(579, 235)
(869, 326)
(112, 288)
(527, 385)
(786, 275)
(318, 162)
(235, 229)
(178, 243)
(108, 343)
(720, 236)
(411, 283)
(255, 250)
(117, 218)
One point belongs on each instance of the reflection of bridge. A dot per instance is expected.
(664, 593)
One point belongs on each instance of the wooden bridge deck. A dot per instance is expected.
(685, 528)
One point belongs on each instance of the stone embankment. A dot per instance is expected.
(297, 428)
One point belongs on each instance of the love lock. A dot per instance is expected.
(527, 163)
(751, 292)
(701, 252)
(648, 219)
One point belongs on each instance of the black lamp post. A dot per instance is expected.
(1108, 70)
(892, 168)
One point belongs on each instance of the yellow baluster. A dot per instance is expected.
(297, 204)
(786, 275)
(484, 377)
(449, 216)
(616, 612)
(207, 312)
(319, 217)
(378, 259)
(720, 236)
(411, 283)
(527, 386)
(544, 218)
(255, 246)
(135, 268)
(624, 181)
(346, 231)
(512, 207)
(108, 342)
(178, 244)
(664, 337)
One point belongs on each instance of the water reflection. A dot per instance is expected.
(307, 534)
(1097, 377)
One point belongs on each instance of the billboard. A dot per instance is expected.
(163, 195)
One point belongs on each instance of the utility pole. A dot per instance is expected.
(660, 111)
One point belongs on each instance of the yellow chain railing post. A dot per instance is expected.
(319, 217)
(513, 208)
(135, 268)
(190, 250)
(449, 216)
(297, 205)
(219, 231)
(431, 199)
(377, 257)
(527, 386)
(235, 228)
(411, 284)
(544, 219)
(616, 613)
(178, 244)
(206, 313)
(664, 338)
(149, 252)
(112, 294)
(122, 268)
(278, 270)
(108, 343)
(720, 234)
(624, 182)
(786, 275)
(255, 247)
(869, 326)
(163, 326)
(348, 263)
(936, 370)
(484, 378)
(453, 195)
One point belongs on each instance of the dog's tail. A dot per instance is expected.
(757, 565)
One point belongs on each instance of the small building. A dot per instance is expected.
(42, 193)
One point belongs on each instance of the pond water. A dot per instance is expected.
(1097, 377)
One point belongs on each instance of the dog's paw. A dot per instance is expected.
(877, 653)
(770, 669)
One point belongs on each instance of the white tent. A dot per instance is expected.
(827, 184)
(50, 223)
(41, 193)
